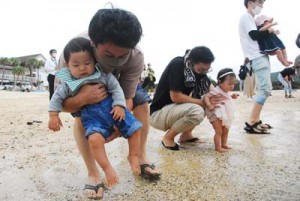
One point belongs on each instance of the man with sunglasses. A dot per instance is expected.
(177, 106)
(259, 63)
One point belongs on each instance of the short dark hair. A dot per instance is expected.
(221, 75)
(246, 2)
(78, 44)
(200, 54)
(52, 51)
(116, 26)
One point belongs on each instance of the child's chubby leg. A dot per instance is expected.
(133, 156)
(224, 138)
(282, 58)
(96, 142)
(217, 124)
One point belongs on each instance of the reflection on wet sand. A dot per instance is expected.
(42, 165)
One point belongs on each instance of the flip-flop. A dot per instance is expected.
(174, 148)
(147, 175)
(95, 188)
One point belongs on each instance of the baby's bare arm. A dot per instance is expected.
(268, 26)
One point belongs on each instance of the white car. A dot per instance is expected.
(8, 87)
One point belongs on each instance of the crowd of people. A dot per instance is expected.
(100, 74)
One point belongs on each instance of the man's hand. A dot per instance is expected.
(217, 99)
(90, 94)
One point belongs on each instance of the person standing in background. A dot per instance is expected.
(249, 35)
(285, 77)
(50, 68)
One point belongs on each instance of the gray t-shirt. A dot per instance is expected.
(69, 88)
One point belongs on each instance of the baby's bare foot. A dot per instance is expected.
(226, 146)
(111, 177)
(134, 163)
(221, 150)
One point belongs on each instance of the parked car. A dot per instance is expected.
(24, 86)
(8, 86)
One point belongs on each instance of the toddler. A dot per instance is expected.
(221, 116)
(97, 119)
(272, 44)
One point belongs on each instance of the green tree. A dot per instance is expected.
(30, 64)
(4, 61)
(33, 63)
(17, 71)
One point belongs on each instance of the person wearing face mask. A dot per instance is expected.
(173, 109)
(114, 35)
(260, 64)
(50, 68)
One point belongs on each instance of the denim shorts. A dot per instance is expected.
(262, 72)
(96, 118)
(141, 97)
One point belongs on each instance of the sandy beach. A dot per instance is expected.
(38, 164)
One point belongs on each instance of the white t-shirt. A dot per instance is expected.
(250, 47)
(50, 66)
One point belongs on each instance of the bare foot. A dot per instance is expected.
(226, 146)
(111, 177)
(221, 150)
(134, 163)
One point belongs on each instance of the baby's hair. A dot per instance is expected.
(78, 44)
(225, 73)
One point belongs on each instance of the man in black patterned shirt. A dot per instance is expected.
(177, 106)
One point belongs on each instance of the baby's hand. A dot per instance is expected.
(276, 32)
(54, 123)
(234, 96)
(118, 113)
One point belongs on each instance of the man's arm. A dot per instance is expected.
(88, 94)
(179, 97)
(256, 35)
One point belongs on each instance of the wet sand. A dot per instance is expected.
(37, 164)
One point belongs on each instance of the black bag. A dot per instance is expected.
(243, 72)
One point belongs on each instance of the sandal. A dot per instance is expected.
(95, 188)
(264, 125)
(147, 175)
(254, 130)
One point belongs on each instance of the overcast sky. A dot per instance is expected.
(170, 27)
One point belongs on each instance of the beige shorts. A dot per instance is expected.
(179, 117)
